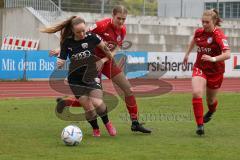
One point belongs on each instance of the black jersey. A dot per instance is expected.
(82, 67)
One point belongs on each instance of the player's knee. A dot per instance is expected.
(83, 101)
(197, 93)
(128, 91)
(210, 100)
(97, 102)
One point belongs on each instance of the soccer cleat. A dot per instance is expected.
(200, 130)
(207, 117)
(60, 105)
(111, 129)
(137, 127)
(96, 133)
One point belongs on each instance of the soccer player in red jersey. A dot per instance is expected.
(113, 31)
(213, 50)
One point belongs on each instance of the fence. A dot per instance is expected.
(45, 9)
(138, 7)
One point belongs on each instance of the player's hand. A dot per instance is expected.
(54, 52)
(111, 45)
(60, 63)
(99, 64)
(206, 58)
(185, 60)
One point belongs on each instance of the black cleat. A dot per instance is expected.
(60, 105)
(137, 127)
(200, 130)
(207, 117)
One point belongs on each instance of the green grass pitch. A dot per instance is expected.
(30, 130)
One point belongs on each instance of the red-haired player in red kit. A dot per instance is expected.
(213, 50)
(112, 30)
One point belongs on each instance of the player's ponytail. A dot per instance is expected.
(64, 27)
(217, 18)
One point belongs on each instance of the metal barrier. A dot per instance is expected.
(147, 7)
(46, 10)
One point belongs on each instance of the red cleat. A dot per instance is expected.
(96, 133)
(111, 129)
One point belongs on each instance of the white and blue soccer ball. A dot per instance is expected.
(71, 135)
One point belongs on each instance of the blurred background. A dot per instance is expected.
(159, 29)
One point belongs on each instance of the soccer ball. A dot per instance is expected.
(71, 135)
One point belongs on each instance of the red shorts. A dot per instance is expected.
(110, 69)
(213, 81)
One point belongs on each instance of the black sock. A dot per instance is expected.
(91, 117)
(103, 115)
(105, 119)
(94, 124)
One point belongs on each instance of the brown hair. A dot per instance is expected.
(119, 9)
(64, 27)
(215, 16)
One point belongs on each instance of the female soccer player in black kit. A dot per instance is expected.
(78, 45)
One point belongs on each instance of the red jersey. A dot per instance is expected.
(212, 44)
(109, 33)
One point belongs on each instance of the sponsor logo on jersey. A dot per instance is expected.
(84, 45)
(81, 55)
(204, 50)
(225, 42)
(209, 40)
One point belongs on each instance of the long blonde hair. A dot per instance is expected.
(64, 27)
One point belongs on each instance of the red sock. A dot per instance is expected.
(198, 110)
(212, 107)
(72, 102)
(132, 107)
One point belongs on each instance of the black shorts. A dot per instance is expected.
(80, 88)
(82, 78)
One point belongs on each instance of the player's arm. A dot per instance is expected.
(54, 52)
(106, 50)
(222, 42)
(113, 52)
(189, 50)
(226, 54)
(62, 56)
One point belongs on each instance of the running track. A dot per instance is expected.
(42, 89)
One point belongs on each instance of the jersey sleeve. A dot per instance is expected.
(195, 33)
(96, 39)
(97, 28)
(64, 51)
(221, 40)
